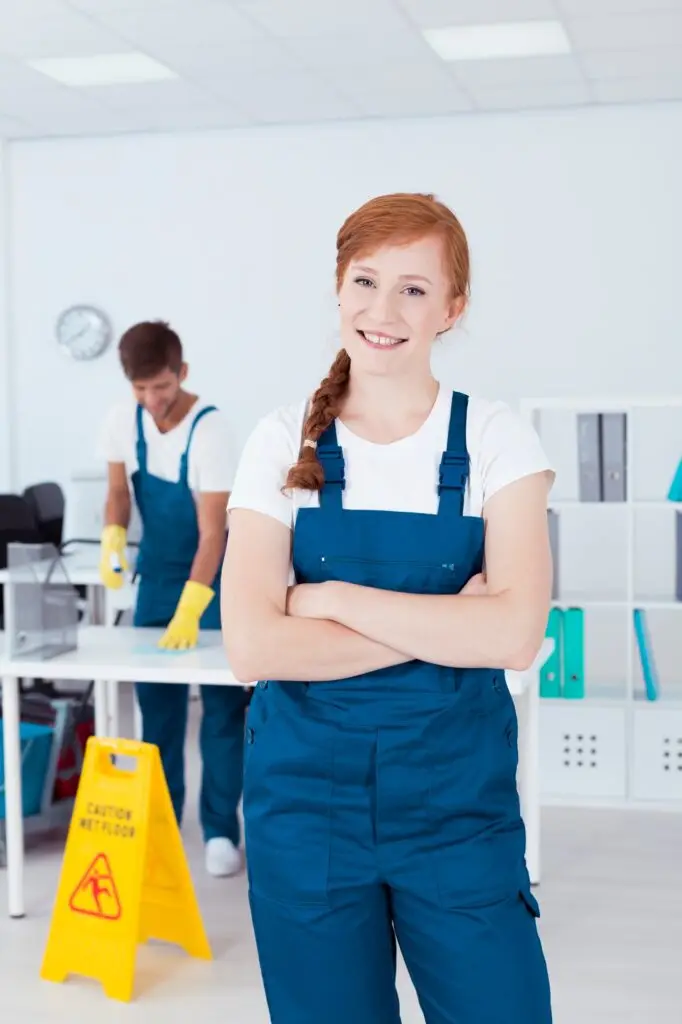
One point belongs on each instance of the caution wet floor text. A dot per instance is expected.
(124, 877)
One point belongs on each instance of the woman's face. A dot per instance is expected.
(393, 303)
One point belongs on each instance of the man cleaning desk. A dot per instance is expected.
(174, 452)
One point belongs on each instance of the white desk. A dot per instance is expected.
(129, 654)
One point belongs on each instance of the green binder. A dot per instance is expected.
(574, 648)
(550, 673)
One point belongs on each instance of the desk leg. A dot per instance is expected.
(531, 772)
(110, 613)
(112, 708)
(137, 718)
(101, 701)
(14, 820)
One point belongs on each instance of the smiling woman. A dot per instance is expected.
(380, 791)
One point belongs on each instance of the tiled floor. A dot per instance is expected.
(612, 926)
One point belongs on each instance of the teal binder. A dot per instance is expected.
(574, 654)
(550, 673)
(675, 492)
(646, 654)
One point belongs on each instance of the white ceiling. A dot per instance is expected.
(244, 62)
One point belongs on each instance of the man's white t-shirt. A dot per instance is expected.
(397, 477)
(210, 465)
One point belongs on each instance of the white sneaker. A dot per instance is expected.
(222, 858)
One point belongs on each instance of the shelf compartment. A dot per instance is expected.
(582, 749)
(657, 752)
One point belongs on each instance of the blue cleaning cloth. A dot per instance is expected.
(143, 649)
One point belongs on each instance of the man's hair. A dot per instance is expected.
(149, 348)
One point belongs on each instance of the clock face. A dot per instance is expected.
(84, 332)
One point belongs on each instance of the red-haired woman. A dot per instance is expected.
(380, 795)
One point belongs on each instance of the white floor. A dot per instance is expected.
(611, 901)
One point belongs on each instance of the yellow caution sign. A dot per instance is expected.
(124, 877)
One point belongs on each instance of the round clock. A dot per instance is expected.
(84, 331)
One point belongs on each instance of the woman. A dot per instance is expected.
(380, 798)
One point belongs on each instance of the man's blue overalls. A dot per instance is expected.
(386, 805)
(170, 538)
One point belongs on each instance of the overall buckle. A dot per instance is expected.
(454, 472)
(332, 464)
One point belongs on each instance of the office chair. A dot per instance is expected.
(47, 502)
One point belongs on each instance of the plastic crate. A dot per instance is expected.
(36, 748)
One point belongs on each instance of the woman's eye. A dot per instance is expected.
(364, 282)
(413, 290)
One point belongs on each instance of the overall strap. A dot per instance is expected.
(454, 465)
(140, 441)
(331, 457)
(184, 461)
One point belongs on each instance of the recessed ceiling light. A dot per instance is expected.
(103, 69)
(495, 41)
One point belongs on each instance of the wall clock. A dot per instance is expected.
(84, 332)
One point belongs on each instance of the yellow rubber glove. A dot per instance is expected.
(113, 556)
(183, 628)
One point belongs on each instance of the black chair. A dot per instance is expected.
(47, 502)
(17, 524)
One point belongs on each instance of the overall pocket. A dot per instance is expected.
(474, 806)
(288, 787)
(483, 691)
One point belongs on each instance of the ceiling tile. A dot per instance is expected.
(291, 97)
(405, 90)
(361, 49)
(655, 63)
(286, 18)
(632, 90)
(9, 126)
(525, 97)
(154, 96)
(191, 119)
(627, 32)
(203, 24)
(233, 56)
(441, 13)
(105, 6)
(48, 28)
(491, 73)
(598, 7)
(50, 103)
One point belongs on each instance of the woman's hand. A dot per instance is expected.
(477, 586)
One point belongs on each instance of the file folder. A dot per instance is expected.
(675, 492)
(574, 654)
(614, 455)
(678, 556)
(589, 457)
(646, 654)
(550, 673)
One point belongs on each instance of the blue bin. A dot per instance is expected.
(36, 744)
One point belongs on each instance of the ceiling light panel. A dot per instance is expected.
(497, 41)
(104, 69)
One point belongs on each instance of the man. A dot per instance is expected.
(173, 449)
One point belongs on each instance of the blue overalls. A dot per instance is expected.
(170, 538)
(385, 807)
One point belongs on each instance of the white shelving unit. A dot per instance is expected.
(615, 747)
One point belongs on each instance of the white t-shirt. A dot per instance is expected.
(210, 466)
(397, 477)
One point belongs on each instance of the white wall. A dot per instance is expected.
(6, 383)
(574, 219)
